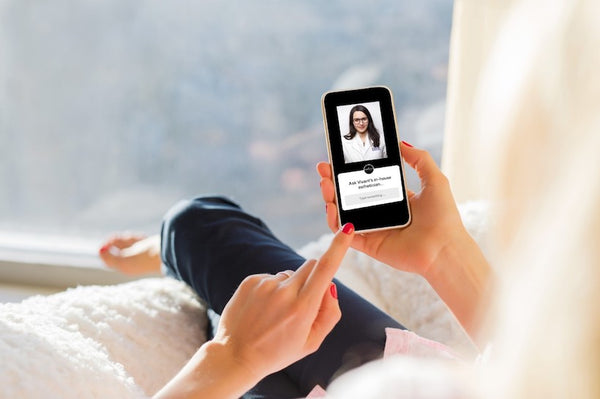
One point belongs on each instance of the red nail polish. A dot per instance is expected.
(348, 228)
(406, 144)
(333, 290)
(104, 249)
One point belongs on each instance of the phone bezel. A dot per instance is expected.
(376, 217)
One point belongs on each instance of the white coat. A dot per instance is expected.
(355, 150)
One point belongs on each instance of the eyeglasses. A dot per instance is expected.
(360, 120)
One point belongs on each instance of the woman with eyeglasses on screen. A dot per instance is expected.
(363, 142)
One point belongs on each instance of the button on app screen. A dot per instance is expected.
(360, 189)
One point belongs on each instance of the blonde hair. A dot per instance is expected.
(539, 120)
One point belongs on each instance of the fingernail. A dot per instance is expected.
(325, 208)
(348, 228)
(104, 248)
(333, 290)
(406, 144)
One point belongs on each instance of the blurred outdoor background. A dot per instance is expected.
(112, 110)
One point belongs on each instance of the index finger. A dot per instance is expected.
(324, 271)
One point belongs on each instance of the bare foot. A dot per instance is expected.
(132, 254)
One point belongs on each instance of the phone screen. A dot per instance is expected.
(360, 127)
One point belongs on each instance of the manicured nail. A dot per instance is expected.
(348, 228)
(104, 248)
(406, 144)
(333, 290)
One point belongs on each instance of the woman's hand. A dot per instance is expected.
(270, 322)
(435, 245)
(435, 218)
(273, 321)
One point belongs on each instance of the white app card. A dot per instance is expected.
(360, 189)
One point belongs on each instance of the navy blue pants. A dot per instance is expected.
(212, 244)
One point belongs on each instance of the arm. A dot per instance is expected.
(270, 322)
(436, 245)
(461, 276)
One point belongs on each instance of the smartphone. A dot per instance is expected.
(364, 153)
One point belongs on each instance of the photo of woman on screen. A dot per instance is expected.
(363, 141)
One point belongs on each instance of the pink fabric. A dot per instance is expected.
(317, 392)
(402, 342)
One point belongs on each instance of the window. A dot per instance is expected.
(110, 111)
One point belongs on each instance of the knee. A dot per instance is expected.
(190, 223)
(187, 213)
(177, 216)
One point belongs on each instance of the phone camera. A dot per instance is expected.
(369, 168)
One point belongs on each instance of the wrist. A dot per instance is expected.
(222, 352)
(446, 254)
(213, 372)
(229, 368)
(460, 275)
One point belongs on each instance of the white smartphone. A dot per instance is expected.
(364, 153)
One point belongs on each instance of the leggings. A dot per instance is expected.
(211, 244)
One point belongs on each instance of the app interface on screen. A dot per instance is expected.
(370, 186)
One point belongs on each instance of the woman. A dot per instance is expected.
(363, 142)
(538, 116)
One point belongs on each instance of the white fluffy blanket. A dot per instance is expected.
(120, 341)
(126, 341)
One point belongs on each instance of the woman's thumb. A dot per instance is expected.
(421, 161)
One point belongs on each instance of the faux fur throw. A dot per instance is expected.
(122, 341)
(128, 340)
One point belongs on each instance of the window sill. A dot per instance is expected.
(52, 262)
